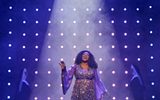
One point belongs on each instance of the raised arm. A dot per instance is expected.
(67, 77)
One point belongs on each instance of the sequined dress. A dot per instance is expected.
(88, 85)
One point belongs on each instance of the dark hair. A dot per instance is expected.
(91, 62)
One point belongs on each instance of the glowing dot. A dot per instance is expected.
(61, 22)
(114, 98)
(150, 32)
(150, 19)
(100, 72)
(9, 71)
(113, 59)
(99, 9)
(10, 7)
(36, 72)
(150, 7)
(62, 46)
(49, 85)
(62, 34)
(23, 59)
(36, 46)
(9, 58)
(126, 72)
(49, 21)
(153, 97)
(113, 72)
(127, 98)
(100, 59)
(152, 70)
(113, 85)
(35, 98)
(37, 9)
(138, 46)
(125, 9)
(10, 19)
(24, 9)
(151, 57)
(138, 21)
(113, 34)
(87, 46)
(49, 34)
(126, 85)
(125, 21)
(87, 21)
(24, 22)
(100, 34)
(137, 9)
(138, 34)
(74, 21)
(100, 46)
(74, 9)
(61, 98)
(49, 72)
(48, 98)
(49, 9)
(10, 45)
(112, 9)
(113, 46)
(36, 34)
(24, 34)
(152, 83)
(23, 46)
(74, 34)
(9, 84)
(8, 97)
(62, 59)
(61, 9)
(49, 59)
(100, 21)
(10, 32)
(74, 46)
(125, 59)
(36, 59)
(125, 46)
(49, 46)
(35, 85)
(87, 9)
(139, 59)
(87, 34)
(112, 21)
(151, 44)
(125, 34)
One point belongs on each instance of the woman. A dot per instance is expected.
(88, 85)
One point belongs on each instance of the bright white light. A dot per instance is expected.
(87, 46)
(150, 19)
(113, 85)
(49, 21)
(139, 59)
(9, 70)
(112, 9)
(49, 9)
(49, 72)
(62, 34)
(23, 46)
(126, 72)
(24, 22)
(138, 21)
(9, 83)
(99, 9)
(113, 72)
(100, 21)
(113, 46)
(48, 98)
(87, 21)
(61, 98)
(100, 46)
(10, 7)
(74, 21)
(138, 46)
(36, 34)
(125, 21)
(125, 59)
(74, 9)
(150, 32)
(24, 34)
(127, 98)
(8, 97)
(152, 83)
(37, 9)
(153, 97)
(62, 9)
(100, 59)
(112, 21)
(150, 7)
(74, 34)
(137, 9)
(23, 59)
(87, 34)
(10, 45)
(125, 9)
(10, 19)
(49, 59)
(24, 9)
(152, 70)
(74, 46)
(151, 57)
(113, 59)
(138, 34)
(35, 98)
(35, 85)
(100, 72)
(36, 22)
(125, 46)
(151, 44)
(49, 46)
(9, 58)
(36, 59)
(61, 22)
(126, 85)
(125, 34)
(49, 34)
(10, 32)
(114, 98)
(62, 59)
(36, 47)
(87, 9)
(113, 34)
(100, 34)
(49, 85)
(36, 72)
(62, 46)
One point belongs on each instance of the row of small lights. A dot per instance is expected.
(74, 9)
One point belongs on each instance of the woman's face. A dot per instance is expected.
(85, 56)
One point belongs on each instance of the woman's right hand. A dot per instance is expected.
(62, 65)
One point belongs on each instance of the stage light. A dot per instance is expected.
(87, 46)
(113, 46)
(100, 72)
(9, 83)
(10, 45)
(61, 22)
(37, 9)
(125, 59)
(152, 70)
(126, 72)
(23, 59)
(23, 46)
(37, 22)
(8, 97)
(100, 59)
(49, 72)
(62, 9)
(10, 7)
(150, 7)
(113, 85)
(36, 72)
(74, 9)
(24, 34)
(74, 46)
(137, 21)
(125, 9)
(125, 21)
(49, 85)
(99, 9)
(100, 46)
(10, 20)
(62, 34)
(49, 34)
(61, 98)
(49, 59)
(138, 34)
(153, 97)
(112, 34)
(49, 9)
(99, 21)
(138, 46)
(87, 9)
(36, 47)
(49, 21)
(112, 9)
(36, 59)
(137, 9)
(113, 59)
(138, 59)
(10, 32)
(87, 21)
(100, 34)
(152, 83)
(49, 46)
(62, 46)
(113, 72)
(125, 34)
(150, 32)
(9, 70)
(48, 98)
(35, 85)
(127, 98)
(87, 34)
(126, 85)
(150, 19)
(74, 22)
(35, 98)
(151, 57)
(114, 98)
(112, 21)
(9, 58)
(151, 44)
(125, 46)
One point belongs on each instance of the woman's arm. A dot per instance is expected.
(67, 77)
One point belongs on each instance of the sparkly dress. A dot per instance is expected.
(88, 85)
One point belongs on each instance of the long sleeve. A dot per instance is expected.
(67, 77)
(100, 88)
